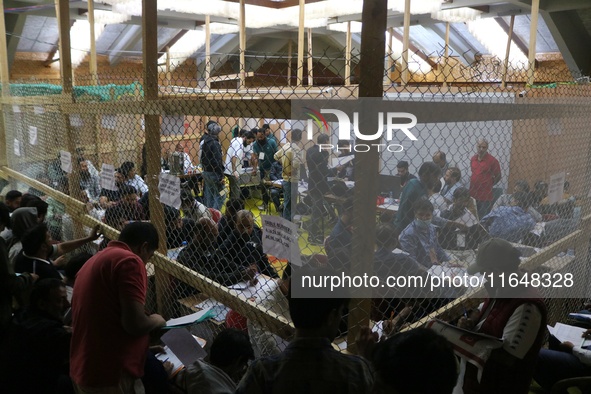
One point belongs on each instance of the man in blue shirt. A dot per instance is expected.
(419, 238)
(511, 223)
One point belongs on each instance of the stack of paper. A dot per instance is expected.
(566, 333)
(181, 349)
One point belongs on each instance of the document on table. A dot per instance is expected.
(188, 320)
(181, 349)
(564, 333)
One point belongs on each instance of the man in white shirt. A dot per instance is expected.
(188, 165)
(234, 159)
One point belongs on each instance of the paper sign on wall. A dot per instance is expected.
(108, 177)
(556, 187)
(66, 161)
(280, 239)
(32, 135)
(17, 147)
(76, 120)
(38, 110)
(170, 190)
(16, 109)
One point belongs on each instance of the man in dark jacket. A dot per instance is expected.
(213, 167)
(318, 172)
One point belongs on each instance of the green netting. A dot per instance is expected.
(100, 93)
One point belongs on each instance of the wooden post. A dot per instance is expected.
(168, 76)
(300, 79)
(371, 67)
(508, 52)
(390, 63)
(348, 56)
(405, 39)
(446, 67)
(289, 54)
(5, 83)
(242, 22)
(93, 68)
(62, 9)
(152, 126)
(207, 51)
(310, 59)
(533, 32)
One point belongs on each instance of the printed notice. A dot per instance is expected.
(556, 187)
(76, 120)
(17, 147)
(32, 135)
(66, 161)
(108, 177)
(16, 109)
(170, 190)
(38, 110)
(280, 239)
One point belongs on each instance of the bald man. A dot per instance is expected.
(201, 255)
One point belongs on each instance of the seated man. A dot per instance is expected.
(507, 199)
(419, 238)
(341, 236)
(566, 361)
(310, 364)
(191, 208)
(401, 362)
(38, 345)
(126, 210)
(13, 200)
(227, 223)
(89, 182)
(511, 223)
(463, 209)
(515, 314)
(244, 247)
(127, 169)
(452, 178)
(228, 359)
(201, 256)
(38, 250)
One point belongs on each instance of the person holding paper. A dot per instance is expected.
(511, 223)
(89, 182)
(110, 324)
(517, 315)
(569, 360)
(127, 169)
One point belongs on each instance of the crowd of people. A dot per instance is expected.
(78, 322)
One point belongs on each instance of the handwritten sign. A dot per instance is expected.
(66, 161)
(32, 135)
(556, 187)
(108, 177)
(170, 190)
(280, 239)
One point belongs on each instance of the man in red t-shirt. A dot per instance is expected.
(486, 172)
(110, 326)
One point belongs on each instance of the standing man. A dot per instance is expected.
(110, 325)
(440, 159)
(269, 133)
(486, 172)
(318, 171)
(290, 156)
(264, 155)
(404, 173)
(213, 168)
(234, 161)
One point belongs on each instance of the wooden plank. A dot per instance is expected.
(416, 51)
(405, 42)
(62, 9)
(348, 55)
(507, 51)
(300, 71)
(533, 33)
(231, 77)
(310, 60)
(207, 51)
(289, 55)
(242, 25)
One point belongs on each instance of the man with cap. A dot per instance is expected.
(516, 314)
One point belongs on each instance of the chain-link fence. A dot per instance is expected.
(464, 153)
